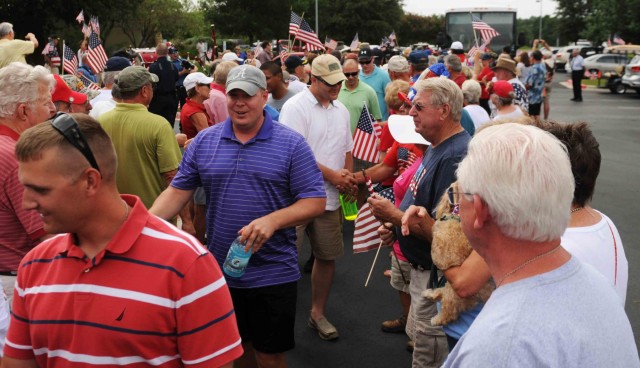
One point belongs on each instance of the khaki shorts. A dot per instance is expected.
(325, 235)
(400, 274)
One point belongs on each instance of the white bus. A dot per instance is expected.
(503, 20)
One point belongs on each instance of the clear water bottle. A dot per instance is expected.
(237, 259)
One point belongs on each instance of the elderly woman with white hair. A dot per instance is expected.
(471, 92)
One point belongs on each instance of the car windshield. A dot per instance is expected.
(635, 60)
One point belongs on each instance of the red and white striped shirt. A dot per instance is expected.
(154, 296)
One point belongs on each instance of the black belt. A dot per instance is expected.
(8, 273)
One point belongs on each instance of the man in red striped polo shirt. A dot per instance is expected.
(25, 100)
(118, 286)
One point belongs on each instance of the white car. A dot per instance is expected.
(631, 77)
(605, 63)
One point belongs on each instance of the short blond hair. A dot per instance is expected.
(391, 93)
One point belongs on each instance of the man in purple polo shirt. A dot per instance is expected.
(261, 180)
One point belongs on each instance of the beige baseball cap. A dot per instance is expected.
(328, 68)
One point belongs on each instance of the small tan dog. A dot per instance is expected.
(449, 248)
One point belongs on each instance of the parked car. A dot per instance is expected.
(631, 77)
(564, 54)
(604, 63)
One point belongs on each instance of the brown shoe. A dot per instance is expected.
(410, 346)
(325, 329)
(396, 325)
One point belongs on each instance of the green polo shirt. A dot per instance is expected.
(355, 100)
(146, 148)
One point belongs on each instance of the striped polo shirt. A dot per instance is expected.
(19, 228)
(154, 296)
(244, 182)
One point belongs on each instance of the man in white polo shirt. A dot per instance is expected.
(324, 122)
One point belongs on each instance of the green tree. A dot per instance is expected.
(417, 28)
(572, 19)
(251, 19)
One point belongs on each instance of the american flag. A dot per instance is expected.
(51, 51)
(618, 40)
(80, 17)
(283, 55)
(365, 139)
(474, 49)
(330, 43)
(306, 34)
(486, 32)
(406, 158)
(70, 61)
(294, 24)
(365, 234)
(95, 25)
(355, 42)
(97, 58)
(88, 84)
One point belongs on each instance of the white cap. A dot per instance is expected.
(194, 79)
(403, 130)
(230, 56)
(457, 45)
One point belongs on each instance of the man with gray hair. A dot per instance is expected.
(436, 112)
(454, 66)
(549, 309)
(25, 101)
(14, 50)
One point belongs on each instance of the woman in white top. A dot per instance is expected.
(471, 91)
(502, 96)
(591, 236)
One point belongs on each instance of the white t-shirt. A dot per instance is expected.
(514, 114)
(327, 130)
(478, 115)
(104, 95)
(600, 246)
(101, 107)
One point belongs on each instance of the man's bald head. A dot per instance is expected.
(162, 49)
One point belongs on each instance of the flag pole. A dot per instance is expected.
(474, 30)
(63, 47)
(373, 264)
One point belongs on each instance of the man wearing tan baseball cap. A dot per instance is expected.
(324, 122)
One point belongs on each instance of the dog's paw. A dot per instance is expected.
(436, 320)
(431, 294)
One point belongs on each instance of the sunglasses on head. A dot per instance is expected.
(66, 125)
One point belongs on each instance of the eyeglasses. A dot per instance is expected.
(66, 125)
(417, 106)
(452, 195)
(327, 83)
(354, 74)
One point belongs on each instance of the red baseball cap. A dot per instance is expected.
(502, 88)
(65, 94)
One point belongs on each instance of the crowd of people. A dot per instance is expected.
(115, 231)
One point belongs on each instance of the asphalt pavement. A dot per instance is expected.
(357, 311)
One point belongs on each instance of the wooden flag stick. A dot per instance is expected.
(373, 264)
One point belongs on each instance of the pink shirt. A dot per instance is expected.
(399, 189)
(216, 104)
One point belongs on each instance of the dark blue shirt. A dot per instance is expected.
(434, 175)
(243, 182)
